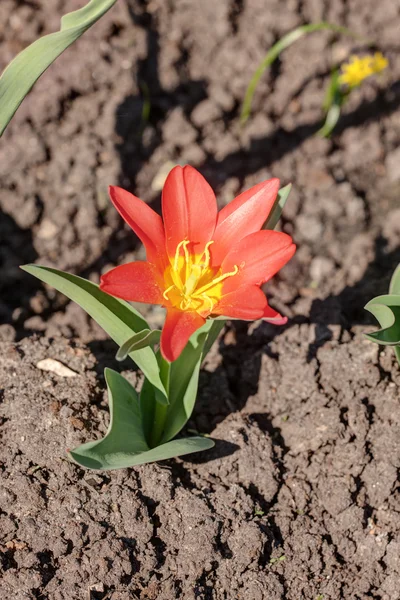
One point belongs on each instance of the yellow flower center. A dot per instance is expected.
(191, 283)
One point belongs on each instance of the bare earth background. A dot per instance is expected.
(299, 500)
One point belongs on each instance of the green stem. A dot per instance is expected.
(159, 423)
(161, 410)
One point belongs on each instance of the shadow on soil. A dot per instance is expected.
(16, 248)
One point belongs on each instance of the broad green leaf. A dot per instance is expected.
(395, 282)
(89, 456)
(386, 309)
(143, 339)
(183, 384)
(124, 444)
(116, 317)
(215, 329)
(286, 41)
(125, 435)
(277, 209)
(20, 75)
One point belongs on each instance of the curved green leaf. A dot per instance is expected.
(118, 318)
(20, 75)
(331, 119)
(125, 435)
(386, 309)
(89, 456)
(143, 339)
(286, 41)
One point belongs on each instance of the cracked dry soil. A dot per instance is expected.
(300, 498)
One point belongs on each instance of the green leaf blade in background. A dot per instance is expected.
(278, 207)
(25, 69)
(118, 318)
(274, 52)
(395, 282)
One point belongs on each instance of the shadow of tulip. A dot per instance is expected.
(16, 248)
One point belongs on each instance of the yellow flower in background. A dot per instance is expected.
(359, 68)
(379, 62)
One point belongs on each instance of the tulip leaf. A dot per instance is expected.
(148, 403)
(184, 377)
(124, 444)
(277, 208)
(395, 282)
(274, 52)
(386, 309)
(21, 74)
(142, 339)
(125, 433)
(215, 329)
(90, 457)
(118, 318)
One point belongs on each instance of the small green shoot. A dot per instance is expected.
(386, 309)
(274, 53)
(276, 560)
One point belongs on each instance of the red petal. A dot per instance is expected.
(244, 215)
(247, 303)
(178, 327)
(259, 256)
(135, 281)
(271, 316)
(144, 221)
(189, 209)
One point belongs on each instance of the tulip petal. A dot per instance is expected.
(135, 281)
(178, 327)
(247, 303)
(144, 221)
(246, 214)
(259, 256)
(189, 209)
(272, 316)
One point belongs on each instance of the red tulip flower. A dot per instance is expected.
(200, 262)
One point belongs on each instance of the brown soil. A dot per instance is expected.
(298, 499)
(308, 416)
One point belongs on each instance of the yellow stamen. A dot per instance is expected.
(206, 252)
(183, 245)
(208, 299)
(183, 277)
(217, 280)
(165, 294)
(187, 259)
